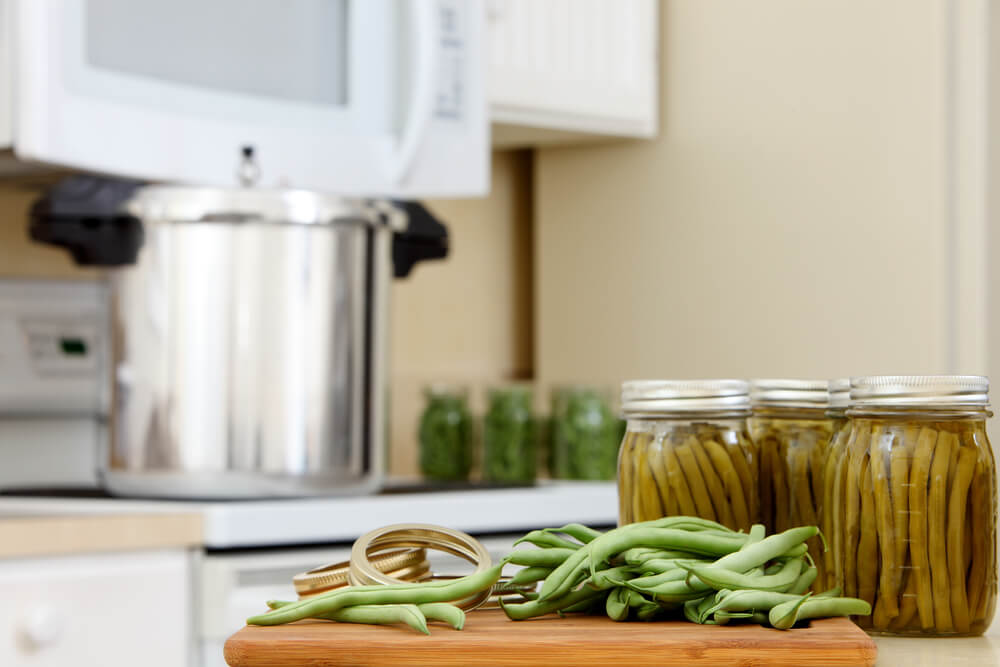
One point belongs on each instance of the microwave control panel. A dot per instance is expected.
(453, 34)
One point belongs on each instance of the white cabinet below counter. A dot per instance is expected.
(97, 610)
(564, 71)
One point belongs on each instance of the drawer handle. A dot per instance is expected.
(41, 627)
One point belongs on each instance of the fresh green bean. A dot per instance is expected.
(577, 531)
(643, 555)
(658, 566)
(551, 557)
(381, 614)
(676, 573)
(719, 578)
(442, 611)
(784, 615)
(804, 581)
(784, 618)
(691, 607)
(750, 601)
(610, 578)
(543, 539)
(519, 612)
(616, 605)
(529, 575)
(367, 595)
(648, 612)
(723, 617)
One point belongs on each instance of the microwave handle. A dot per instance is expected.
(423, 30)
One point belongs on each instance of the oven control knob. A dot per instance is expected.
(41, 627)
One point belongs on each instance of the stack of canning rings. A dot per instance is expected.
(396, 554)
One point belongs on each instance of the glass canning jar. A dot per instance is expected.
(445, 434)
(510, 447)
(840, 391)
(791, 430)
(585, 435)
(687, 450)
(915, 499)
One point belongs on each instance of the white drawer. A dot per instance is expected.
(105, 610)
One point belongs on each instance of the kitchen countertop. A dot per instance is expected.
(298, 521)
(938, 652)
(59, 534)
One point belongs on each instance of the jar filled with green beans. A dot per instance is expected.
(839, 391)
(445, 434)
(585, 435)
(687, 451)
(791, 430)
(915, 505)
(510, 438)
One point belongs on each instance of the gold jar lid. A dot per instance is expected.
(401, 564)
(362, 571)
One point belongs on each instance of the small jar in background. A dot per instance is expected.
(791, 431)
(687, 451)
(445, 434)
(585, 435)
(509, 436)
(840, 396)
(547, 427)
(916, 507)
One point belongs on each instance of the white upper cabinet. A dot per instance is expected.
(355, 97)
(568, 69)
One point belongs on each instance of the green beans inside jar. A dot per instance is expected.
(839, 391)
(510, 436)
(585, 435)
(915, 499)
(445, 434)
(791, 430)
(687, 451)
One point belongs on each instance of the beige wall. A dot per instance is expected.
(788, 221)
(466, 319)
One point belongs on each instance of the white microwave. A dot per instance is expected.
(353, 97)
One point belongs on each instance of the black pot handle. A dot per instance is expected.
(424, 238)
(84, 214)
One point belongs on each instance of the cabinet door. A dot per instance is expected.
(576, 65)
(106, 610)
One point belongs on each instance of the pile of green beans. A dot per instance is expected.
(678, 565)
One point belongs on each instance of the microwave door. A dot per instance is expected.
(356, 97)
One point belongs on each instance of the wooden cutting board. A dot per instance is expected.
(489, 638)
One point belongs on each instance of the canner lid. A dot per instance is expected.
(840, 392)
(776, 392)
(915, 390)
(656, 397)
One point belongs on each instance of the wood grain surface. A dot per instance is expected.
(489, 638)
